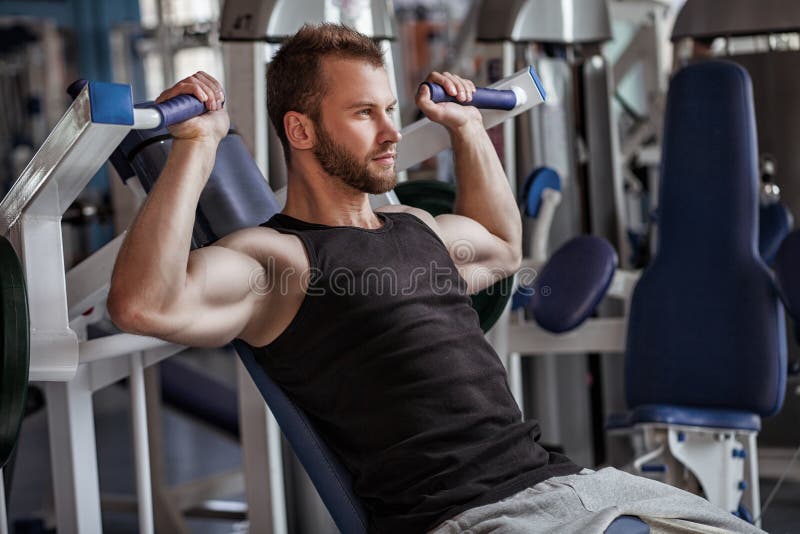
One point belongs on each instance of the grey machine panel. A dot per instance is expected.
(720, 18)
(544, 21)
(274, 20)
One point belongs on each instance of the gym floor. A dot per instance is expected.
(194, 450)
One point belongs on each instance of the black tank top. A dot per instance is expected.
(386, 355)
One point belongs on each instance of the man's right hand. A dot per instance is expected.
(211, 127)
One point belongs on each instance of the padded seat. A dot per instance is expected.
(572, 284)
(627, 524)
(619, 421)
(687, 416)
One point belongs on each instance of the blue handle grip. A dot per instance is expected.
(173, 111)
(179, 109)
(482, 98)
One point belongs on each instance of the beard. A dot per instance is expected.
(338, 162)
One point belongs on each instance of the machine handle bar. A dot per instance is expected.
(483, 97)
(167, 113)
(178, 109)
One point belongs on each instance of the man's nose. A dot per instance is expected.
(390, 133)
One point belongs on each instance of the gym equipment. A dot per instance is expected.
(438, 198)
(426, 138)
(570, 34)
(61, 307)
(706, 362)
(575, 134)
(743, 25)
(787, 265)
(572, 284)
(535, 184)
(15, 356)
(760, 37)
(709, 360)
(482, 98)
(541, 195)
(775, 221)
(735, 17)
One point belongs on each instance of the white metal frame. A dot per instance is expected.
(726, 479)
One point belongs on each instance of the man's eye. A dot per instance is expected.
(390, 110)
(365, 112)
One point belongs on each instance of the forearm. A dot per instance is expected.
(151, 267)
(483, 191)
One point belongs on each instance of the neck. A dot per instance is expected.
(314, 196)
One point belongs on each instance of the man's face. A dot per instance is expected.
(356, 136)
(359, 173)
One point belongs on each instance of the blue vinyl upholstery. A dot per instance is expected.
(774, 224)
(627, 524)
(572, 284)
(706, 328)
(330, 478)
(686, 416)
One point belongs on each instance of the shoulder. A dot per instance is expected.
(266, 245)
(420, 214)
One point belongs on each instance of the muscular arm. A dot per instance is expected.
(485, 233)
(158, 286)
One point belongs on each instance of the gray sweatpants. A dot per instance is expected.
(589, 501)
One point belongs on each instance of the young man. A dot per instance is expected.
(364, 316)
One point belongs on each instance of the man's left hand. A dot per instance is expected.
(450, 115)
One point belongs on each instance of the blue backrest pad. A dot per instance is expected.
(572, 283)
(330, 478)
(706, 328)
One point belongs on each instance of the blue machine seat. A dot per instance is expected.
(619, 421)
(627, 524)
(685, 415)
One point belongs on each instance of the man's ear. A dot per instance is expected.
(299, 130)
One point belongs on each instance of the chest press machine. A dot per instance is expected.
(45, 331)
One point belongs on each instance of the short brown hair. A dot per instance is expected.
(294, 77)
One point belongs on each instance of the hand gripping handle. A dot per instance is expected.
(482, 98)
(179, 109)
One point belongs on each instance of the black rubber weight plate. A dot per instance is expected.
(438, 198)
(15, 356)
